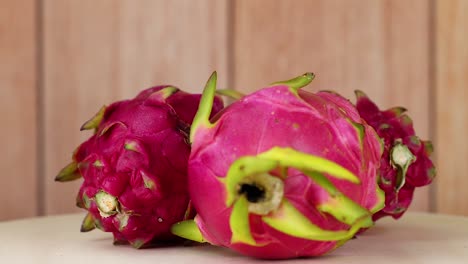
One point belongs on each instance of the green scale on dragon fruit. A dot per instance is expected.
(281, 173)
(134, 167)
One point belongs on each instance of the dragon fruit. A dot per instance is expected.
(405, 162)
(135, 166)
(281, 173)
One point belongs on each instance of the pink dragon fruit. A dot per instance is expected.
(135, 166)
(281, 173)
(405, 162)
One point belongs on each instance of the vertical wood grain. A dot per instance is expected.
(97, 51)
(18, 195)
(452, 106)
(380, 47)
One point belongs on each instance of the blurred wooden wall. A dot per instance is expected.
(62, 59)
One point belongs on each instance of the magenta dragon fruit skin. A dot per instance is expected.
(135, 166)
(405, 162)
(281, 173)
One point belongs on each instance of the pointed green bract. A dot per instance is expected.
(360, 224)
(98, 224)
(79, 202)
(296, 83)
(88, 223)
(202, 117)
(188, 229)
(345, 210)
(135, 146)
(415, 141)
(69, 173)
(165, 92)
(94, 122)
(306, 162)
(131, 145)
(397, 111)
(340, 206)
(380, 201)
(123, 220)
(137, 243)
(243, 167)
(239, 223)
(98, 164)
(431, 173)
(323, 182)
(233, 94)
(406, 121)
(360, 94)
(360, 130)
(149, 183)
(291, 221)
(190, 211)
(109, 126)
(381, 142)
(428, 147)
(86, 201)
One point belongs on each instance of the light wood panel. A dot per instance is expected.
(18, 195)
(380, 47)
(97, 51)
(451, 110)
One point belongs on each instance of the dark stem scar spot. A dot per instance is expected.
(253, 192)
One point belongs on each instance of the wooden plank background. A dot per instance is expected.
(451, 106)
(18, 94)
(62, 60)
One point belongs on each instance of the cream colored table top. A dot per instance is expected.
(417, 238)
